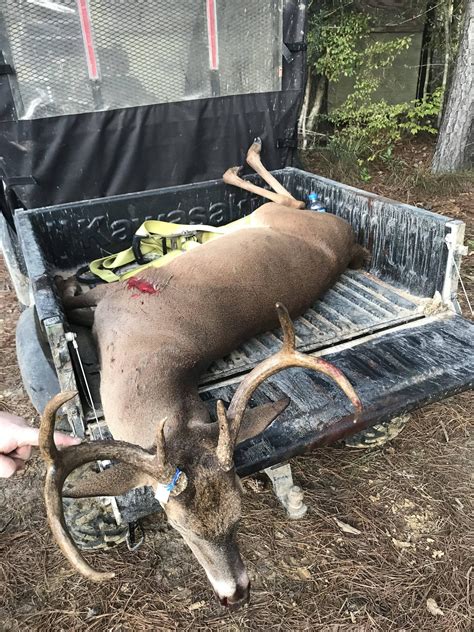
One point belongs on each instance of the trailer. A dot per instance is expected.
(85, 163)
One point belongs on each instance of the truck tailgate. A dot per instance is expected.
(393, 373)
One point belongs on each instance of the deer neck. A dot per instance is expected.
(141, 388)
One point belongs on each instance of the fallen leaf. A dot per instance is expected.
(196, 605)
(399, 544)
(304, 573)
(433, 608)
(346, 528)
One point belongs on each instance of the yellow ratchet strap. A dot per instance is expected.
(159, 242)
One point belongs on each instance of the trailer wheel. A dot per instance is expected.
(378, 435)
(92, 522)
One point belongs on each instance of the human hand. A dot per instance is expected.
(16, 440)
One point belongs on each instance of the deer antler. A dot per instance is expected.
(283, 359)
(231, 176)
(61, 463)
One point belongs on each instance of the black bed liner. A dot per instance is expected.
(357, 304)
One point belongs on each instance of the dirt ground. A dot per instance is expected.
(411, 503)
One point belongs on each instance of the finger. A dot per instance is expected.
(7, 466)
(13, 419)
(30, 436)
(19, 464)
(22, 453)
(26, 435)
(62, 440)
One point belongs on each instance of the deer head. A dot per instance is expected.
(193, 473)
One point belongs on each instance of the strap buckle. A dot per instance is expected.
(137, 240)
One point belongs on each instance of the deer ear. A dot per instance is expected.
(257, 419)
(114, 481)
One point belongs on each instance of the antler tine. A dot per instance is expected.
(62, 463)
(231, 176)
(253, 160)
(289, 338)
(225, 444)
(168, 469)
(47, 447)
(285, 358)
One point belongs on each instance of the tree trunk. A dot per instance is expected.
(455, 147)
(318, 102)
(448, 14)
(424, 72)
(304, 110)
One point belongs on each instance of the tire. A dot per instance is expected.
(10, 249)
(92, 522)
(378, 435)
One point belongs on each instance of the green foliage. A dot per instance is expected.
(341, 45)
(333, 47)
(370, 129)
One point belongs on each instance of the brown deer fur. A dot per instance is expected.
(155, 346)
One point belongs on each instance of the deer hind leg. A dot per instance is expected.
(279, 194)
(253, 160)
(231, 176)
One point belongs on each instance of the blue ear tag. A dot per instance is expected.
(162, 492)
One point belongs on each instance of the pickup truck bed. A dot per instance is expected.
(393, 328)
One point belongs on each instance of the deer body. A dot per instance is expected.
(154, 347)
(158, 334)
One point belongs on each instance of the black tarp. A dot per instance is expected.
(61, 159)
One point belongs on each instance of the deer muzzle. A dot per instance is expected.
(224, 568)
(239, 598)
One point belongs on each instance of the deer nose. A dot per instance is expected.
(240, 597)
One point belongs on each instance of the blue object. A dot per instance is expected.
(314, 203)
(172, 484)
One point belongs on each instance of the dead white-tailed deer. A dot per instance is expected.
(158, 335)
